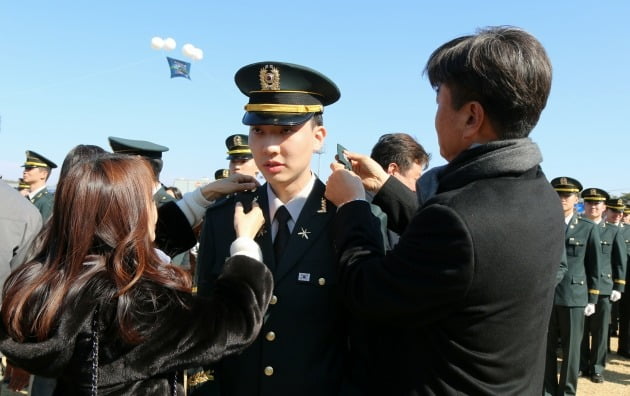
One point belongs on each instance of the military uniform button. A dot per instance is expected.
(268, 371)
(581, 282)
(270, 336)
(274, 300)
(321, 281)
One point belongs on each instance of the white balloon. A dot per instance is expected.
(169, 44)
(157, 43)
(188, 49)
(197, 54)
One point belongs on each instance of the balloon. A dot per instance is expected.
(169, 44)
(197, 54)
(188, 49)
(157, 43)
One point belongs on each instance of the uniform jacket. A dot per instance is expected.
(580, 284)
(44, 201)
(614, 259)
(472, 287)
(301, 348)
(19, 224)
(224, 323)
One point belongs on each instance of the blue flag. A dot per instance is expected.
(179, 68)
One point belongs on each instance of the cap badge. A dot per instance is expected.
(620, 202)
(238, 141)
(563, 180)
(269, 78)
(592, 192)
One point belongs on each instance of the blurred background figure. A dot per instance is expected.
(37, 170)
(23, 188)
(401, 156)
(221, 174)
(153, 153)
(174, 192)
(240, 157)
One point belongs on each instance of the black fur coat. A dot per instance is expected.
(178, 338)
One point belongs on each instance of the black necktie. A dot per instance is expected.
(282, 237)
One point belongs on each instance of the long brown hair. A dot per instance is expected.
(101, 215)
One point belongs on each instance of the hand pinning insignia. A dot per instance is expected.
(323, 207)
(304, 233)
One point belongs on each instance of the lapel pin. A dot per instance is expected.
(304, 277)
(304, 233)
(322, 209)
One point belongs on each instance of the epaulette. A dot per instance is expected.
(586, 219)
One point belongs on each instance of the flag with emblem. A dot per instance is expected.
(178, 68)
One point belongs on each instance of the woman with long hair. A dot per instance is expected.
(100, 309)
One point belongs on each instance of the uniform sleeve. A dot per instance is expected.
(619, 262)
(423, 277)
(592, 261)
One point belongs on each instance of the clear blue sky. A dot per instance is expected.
(79, 71)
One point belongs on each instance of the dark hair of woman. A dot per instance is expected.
(100, 238)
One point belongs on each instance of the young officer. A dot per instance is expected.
(301, 347)
(37, 169)
(576, 294)
(611, 285)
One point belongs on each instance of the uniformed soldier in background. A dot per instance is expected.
(576, 294)
(23, 188)
(302, 344)
(152, 152)
(37, 170)
(240, 156)
(611, 285)
(623, 347)
(221, 174)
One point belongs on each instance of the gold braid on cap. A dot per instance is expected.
(283, 108)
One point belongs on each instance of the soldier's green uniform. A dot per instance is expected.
(42, 199)
(623, 348)
(578, 287)
(611, 277)
(153, 153)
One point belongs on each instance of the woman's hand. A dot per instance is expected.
(248, 224)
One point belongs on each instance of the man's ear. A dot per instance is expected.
(392, 168)
(476, 116)
(319, 134)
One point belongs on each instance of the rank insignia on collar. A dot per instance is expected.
(323, 209)
(303, 233)
(269, 78)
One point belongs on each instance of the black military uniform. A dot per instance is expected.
(578, 287)
(43, 199)
(623, 348)
(612, 277)
(302, 344)
(153, 153)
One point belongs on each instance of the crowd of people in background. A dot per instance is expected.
(389, 278)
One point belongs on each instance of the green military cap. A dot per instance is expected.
(137, 147)
(283, 93)
(221, 174)
(626, 209)
(615, 204)
(237, 147)
(34, 160)
(22, 185)
(566, 185)
(595, 195)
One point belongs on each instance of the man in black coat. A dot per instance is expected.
(472, 289)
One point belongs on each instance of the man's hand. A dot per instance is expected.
(589, 309)
(18, 378)
(372, 175)
(343, 186)
(615, 295)
(234, 183)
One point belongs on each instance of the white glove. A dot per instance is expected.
(589, 309)
(615, 296)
